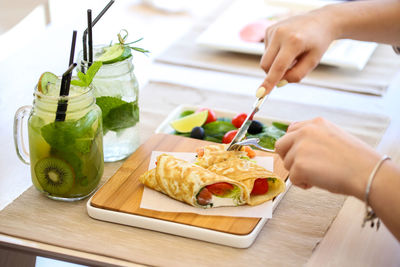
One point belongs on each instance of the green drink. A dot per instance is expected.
(66, 157)
(117, 94)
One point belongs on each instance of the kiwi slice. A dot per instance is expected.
(54, 175)
(44, 81)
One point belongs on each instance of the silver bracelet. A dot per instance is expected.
(369, 213)
(396, 49)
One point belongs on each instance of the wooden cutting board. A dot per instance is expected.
(123, 191)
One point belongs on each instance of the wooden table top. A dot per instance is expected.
(344, 244)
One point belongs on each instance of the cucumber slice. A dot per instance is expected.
(44, 80)
(114, 54)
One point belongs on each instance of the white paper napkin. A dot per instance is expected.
(155, 200)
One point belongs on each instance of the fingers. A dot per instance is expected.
(283, 145)
(281, 64)
(296, 125)
(286, 147)
(271, 51)
(303, 66)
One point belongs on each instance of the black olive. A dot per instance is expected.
(255, 127)
(197, 132)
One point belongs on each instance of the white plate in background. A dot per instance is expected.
(223, 34)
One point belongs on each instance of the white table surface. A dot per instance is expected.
(50, 51)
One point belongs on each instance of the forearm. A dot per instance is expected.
(375, 20)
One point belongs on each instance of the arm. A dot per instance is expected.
(294, 47)
(318, 153)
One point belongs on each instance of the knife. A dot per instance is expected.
(256, 107)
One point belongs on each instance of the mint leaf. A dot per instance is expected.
(78, 83)
(83, 78)
(86, 79)
(107, 103)
(74, 136)
(91, 72)
(124, 116)
(117, 114)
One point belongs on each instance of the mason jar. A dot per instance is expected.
(117, 94)
(66, 156)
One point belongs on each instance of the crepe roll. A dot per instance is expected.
(193, 184)
(212, 154)
(262, 184)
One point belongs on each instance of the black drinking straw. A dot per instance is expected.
(85, 33)
(71, 55)
(90, 36)
(64, 91)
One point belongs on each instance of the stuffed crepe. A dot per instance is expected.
(212, 154)
(261, 184)
(193, 184)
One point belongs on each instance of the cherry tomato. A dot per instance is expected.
(260, 187)
(220, 189)
(239, 119)
(229, 136)
(211, 114)
(204, 196)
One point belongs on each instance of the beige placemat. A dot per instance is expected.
(373, 79)
(288, 239)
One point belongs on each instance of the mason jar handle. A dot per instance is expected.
(22, 152)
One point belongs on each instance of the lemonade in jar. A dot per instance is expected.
(66, 156)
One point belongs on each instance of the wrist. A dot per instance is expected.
(335, 21)
(359, 185)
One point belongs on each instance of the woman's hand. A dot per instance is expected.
(318, 153)
(293, 47)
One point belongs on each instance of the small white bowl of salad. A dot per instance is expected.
(220, 126)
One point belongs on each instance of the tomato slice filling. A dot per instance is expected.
(260, 187)
(218, 189)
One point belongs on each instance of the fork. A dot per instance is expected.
(250, 142)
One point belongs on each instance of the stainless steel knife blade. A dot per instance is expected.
(246, 124)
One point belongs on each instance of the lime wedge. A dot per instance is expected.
(114, 54)
(187, 123)
(46, 79)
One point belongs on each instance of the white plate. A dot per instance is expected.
(223, 34)
(232, 240)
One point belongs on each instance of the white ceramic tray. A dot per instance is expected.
(232, 240)
(223, 34)
(238, 241)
